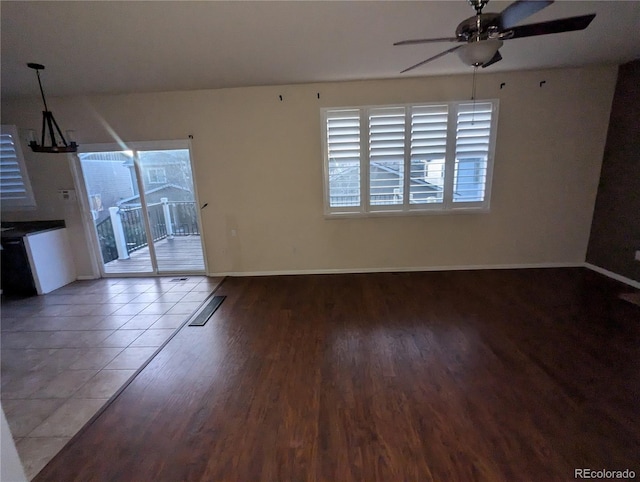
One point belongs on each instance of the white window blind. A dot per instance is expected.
(446, 149)
(473, 136)
(386, 155)
(428, 152)
(343, 154)
(15, 188)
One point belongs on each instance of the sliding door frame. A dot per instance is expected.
(83, 198)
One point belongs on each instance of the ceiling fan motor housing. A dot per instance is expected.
(489, 27)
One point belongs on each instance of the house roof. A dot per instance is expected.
(355, 173)
(114, 47)
(161, 158)
(164, 187)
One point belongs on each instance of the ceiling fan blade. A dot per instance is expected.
(553, 26)
(441, 54)
(496, 58)
(519, 10)
(426, 40)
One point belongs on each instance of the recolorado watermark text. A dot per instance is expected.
(604, 474)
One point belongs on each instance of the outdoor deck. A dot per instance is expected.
(180, 254)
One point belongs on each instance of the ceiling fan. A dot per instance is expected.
(481, 36)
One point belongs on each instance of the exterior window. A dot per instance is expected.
(15, 187)
(343, 158)
(409, 158)
(157, 175)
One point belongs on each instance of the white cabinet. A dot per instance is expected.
(51, 259)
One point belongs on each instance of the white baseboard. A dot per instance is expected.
(597, 269)
(612, 275)
(397, 270)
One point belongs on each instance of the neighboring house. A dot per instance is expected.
(154, 196)
(426, 182)
(110, 179)
(162, 168)
(107, 181)
(165, 174)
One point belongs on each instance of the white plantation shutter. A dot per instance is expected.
(343, 154)
(386, 155)
(409, 158)
(15, 188)
(428, 153)
(473, 135)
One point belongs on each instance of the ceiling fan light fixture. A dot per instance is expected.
(480, 52)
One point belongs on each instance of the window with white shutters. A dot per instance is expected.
(15, 188)
(428, 152)
(386, 155)
(343, 158)
(409, 158)
(473, 136)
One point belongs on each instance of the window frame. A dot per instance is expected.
(155, 171)
(29, 200)
(447, 206)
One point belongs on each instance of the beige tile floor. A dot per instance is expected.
(65, 354)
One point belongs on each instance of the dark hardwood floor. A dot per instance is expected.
(485, 375)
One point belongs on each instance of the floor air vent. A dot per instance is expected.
(179, 279)
(206, 313)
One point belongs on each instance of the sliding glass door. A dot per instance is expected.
(173, 213)
(144, 210)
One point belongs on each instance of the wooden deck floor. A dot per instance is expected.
(454, 376)
(180, 254)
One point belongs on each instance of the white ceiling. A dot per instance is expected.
(106, 47)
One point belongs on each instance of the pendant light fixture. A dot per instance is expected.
(57, 142)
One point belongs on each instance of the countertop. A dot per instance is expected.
(20, 229)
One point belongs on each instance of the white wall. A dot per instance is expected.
(258, 164)
(10, 466)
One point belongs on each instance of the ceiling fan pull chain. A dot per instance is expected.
(473, 95)
(473, 85)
